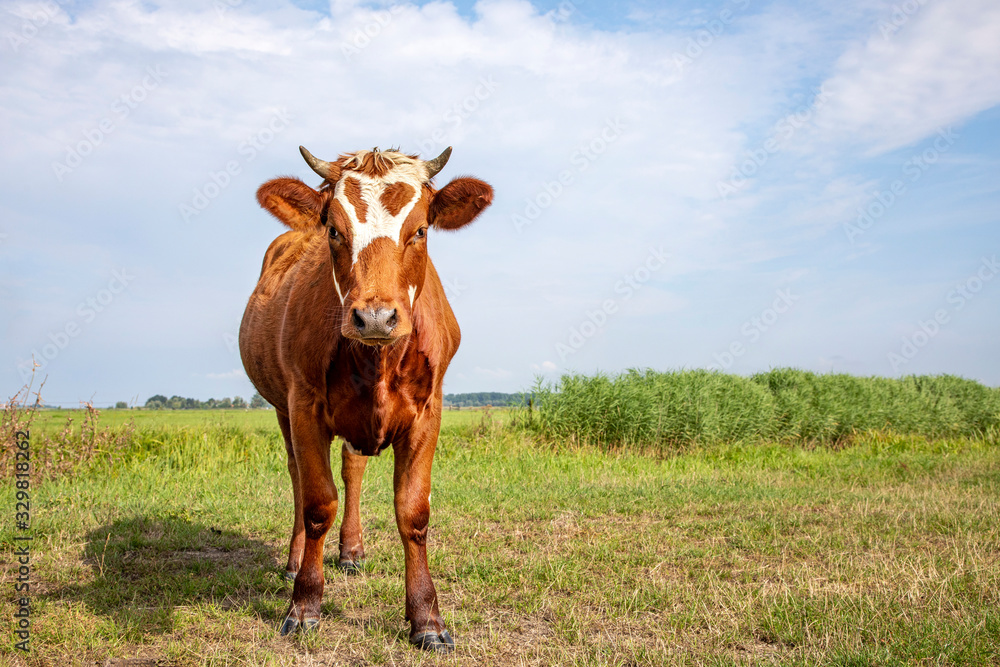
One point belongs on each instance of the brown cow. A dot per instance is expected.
(349, 334)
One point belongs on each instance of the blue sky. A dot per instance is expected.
(738, 184)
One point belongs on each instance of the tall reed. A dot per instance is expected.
(675, 408)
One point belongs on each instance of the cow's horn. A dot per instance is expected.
(438, 163)
(321, 167)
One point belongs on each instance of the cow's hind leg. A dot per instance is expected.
(298, 527)
(311, 444)
(352, 549)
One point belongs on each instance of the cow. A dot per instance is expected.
(348, 334)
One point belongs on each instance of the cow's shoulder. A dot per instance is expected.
(437, 328)
(286, 258)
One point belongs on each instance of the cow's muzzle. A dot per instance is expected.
(374, 325)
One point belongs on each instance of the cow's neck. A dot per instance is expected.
(379, 363)
(375, 367)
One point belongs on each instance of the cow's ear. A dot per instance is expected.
(292, 202)
(458, 203)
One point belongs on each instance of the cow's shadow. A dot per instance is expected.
(144, 570)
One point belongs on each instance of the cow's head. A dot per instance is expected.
(375, 208)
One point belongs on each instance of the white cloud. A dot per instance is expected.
(916, 73)
(494, 373)
(544, 367)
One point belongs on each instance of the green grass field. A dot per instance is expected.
(168, 548)
(53, 421)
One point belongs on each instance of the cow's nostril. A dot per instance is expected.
(374, 322)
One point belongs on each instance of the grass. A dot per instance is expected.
(51, 421)
(880, 552)
(666, 411)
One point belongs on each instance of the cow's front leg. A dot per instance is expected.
(352, 549)
(412, 483)
(311, 443)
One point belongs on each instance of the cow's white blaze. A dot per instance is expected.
(378, 221)
(412, 291)
(337, 285)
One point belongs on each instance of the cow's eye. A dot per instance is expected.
(421, 233)
(334, 234)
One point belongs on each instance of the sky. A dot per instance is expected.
(736, 185)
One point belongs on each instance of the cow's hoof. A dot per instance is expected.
(290, 576)
(432, 641)
(351, 566)
(289, 626)
(292, 624)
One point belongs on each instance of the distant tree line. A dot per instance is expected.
(474, 400)
(161, 402)
(479, 399)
